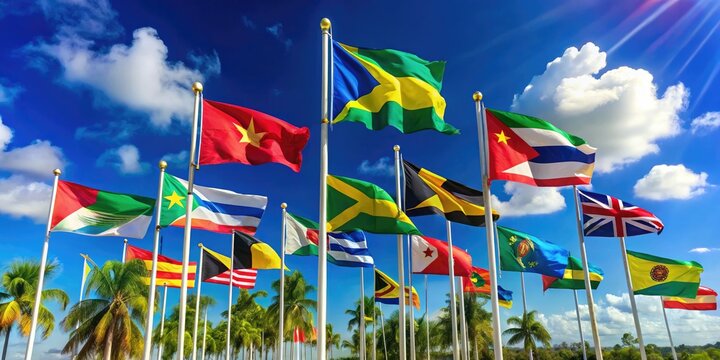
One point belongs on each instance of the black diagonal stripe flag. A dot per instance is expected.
(427, 193)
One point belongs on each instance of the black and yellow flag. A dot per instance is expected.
(427, 193)
(213, 264)
(251, 253)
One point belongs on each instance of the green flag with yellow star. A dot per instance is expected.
(218, 210)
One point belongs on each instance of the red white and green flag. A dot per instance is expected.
(301, 237)
(83, 210)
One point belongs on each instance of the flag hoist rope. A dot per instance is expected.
(198, 284)
(489, 227)
(322, 231)
(586, 275)
(197, 115)
(43, 265)
(281, 318)
(147, 351)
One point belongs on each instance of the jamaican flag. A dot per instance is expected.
(427, 193)
(388, 87)
(358, 205)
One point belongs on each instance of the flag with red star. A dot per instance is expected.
(232, 133)
(430, 256)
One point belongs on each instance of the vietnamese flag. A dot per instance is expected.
(236, 134)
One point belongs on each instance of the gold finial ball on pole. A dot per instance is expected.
(396, 148)
(477, 96)
(325, 24)
(162, 164)
(57, 172)
(283, 206)
(197, 86)
(200, 245)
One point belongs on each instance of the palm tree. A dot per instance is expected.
(355, 313)
(246, 321)
(528, 331)
(479, 324)
(333, 339)
(111, 323)
(172, 322)
(19, 286)
(298, 306)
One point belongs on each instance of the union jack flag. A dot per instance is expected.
(606, 216)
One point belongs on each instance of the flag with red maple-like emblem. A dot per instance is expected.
(233, 133)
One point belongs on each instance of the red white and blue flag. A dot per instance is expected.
(606, 216)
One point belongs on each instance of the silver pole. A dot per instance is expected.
(631, 295)
(374, 335)
(427, 318)
(361, 324)
(582, 337)
(667, 326)
(453, 296)
(147, 351)
(524, 298)
(82, 291)
(412, 305)
(198, 284)
(124, 250)
(401, 263)
(230, 291)
(162, 321)
(382, 323)
(322, 231)
(202, 352)
(43, 265)
(281, 320)
(463, 325)
(489, 227)
(586, 273)
(197, 88)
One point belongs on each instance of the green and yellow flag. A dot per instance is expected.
(388, 87)
(358, 205)
(653, 275)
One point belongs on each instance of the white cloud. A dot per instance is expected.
(178, 159)
(21, 196)
(36, 160)
(615, 318)
(665, 182)
(138, 76)
(528, 200)
(381, 167)
(126, 159)
(618, 112)
(706, 122)
(8, 93)
(87, 18)
(703, 250)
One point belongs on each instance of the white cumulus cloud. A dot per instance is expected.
(381, 167)
(618, 111)
(36, 160)
(125, 159)
(703, 250)
(21, 196)
(178, 159)
(138, 76)
(706, 122)
(665, 182)
(528, 200)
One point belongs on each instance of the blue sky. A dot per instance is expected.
(102, 90)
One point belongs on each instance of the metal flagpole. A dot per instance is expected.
(489, 226)
(667, 326)
(401, 265)
(198, 284)
(147, 351)
(202, 352)
(82, 291)
(586, 275)
(281, 320)
(453, 296)
(411, 317)
(197, 89)
(322, 231)
(427, 318)
(361, 324)
(162, 321)
(631, 295)
(230, 291)
(463, 325)
(582, 337)
(497, 246)
(382, 323)
(124, 250)
(522, 287)
(43, 265)
(374, 335)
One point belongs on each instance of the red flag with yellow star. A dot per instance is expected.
(430, 256)
(233, 133)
